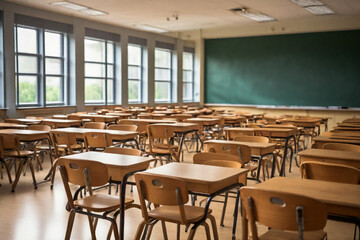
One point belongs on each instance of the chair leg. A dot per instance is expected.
(70, 224)
(18, 173)
(91, 225)
(224, 209)
(140, 230)
(115, 228)
(207, 230)
(33, 173)
(151, 227)
(7, 169)
(191, 234)
(214, 227)
(178, 232)
(164, 230)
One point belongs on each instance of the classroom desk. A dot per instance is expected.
(352, 120)
(61, 123)
(119, 115)
(26, 121)
(346, 129)
(283, 133)
(306, 123)
(353, 134)
(120, 168)
(204, 180)
(5, 125)
(339, 198)
(27, 136)
(116, 135)
(319, 141)
(331, 156)
(352, 125)
(60, 116)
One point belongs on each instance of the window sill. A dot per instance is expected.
(48, 107)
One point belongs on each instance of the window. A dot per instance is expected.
(188, 77)
(2, 95)
(135, 73)
(40, 63)
(163, 75)
(99, 71)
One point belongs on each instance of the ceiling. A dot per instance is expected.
(192, 14)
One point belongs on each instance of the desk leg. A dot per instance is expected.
(181, 143)
(244, 225)
(202, 144)
(282, 171)
(273, 165)
(122, 205)
(236, 210)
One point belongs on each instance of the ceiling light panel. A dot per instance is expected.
(307, 3)
(94, 12)
(320, 10)
(150, 28)
(70, 5)
(257, 16)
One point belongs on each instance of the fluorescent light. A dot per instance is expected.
(320, 10)
(150, 28)
(307, 3)
(94, 12)
(257, 16)
(70, 5)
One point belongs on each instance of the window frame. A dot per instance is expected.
(192, 82)
(105, 101)
(41, 74)
(141, 80)
(170, 81)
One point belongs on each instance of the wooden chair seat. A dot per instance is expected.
(171, 213)
(101, 203)
(275, 234)
(165, 146)
(21, 153)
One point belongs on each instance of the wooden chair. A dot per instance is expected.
(125, 151)
(288, 216)
(65, 143)
(160, 143)
(169, 195)
(342, 147)
(330, 172)
(123, 127)
(42, 147)
(3, 161)
(95, 125)
(10, 149)
(88, 174)
(201, 158)
(95, 141)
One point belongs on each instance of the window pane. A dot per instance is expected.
(27, 64)
(94, 50)
(94, 90)
(53, 44)
(27, 89)
(53, 89)
(110, 52)
(134, 72)
(187, 61)
(94, 70)
(162, 91)
(27, 40)
(187, 91)
(187, 76)
(110, 92)
(162, 58)
(134, 55)
(110, 69)
(134, 91)
(53, 66)
(162, 74)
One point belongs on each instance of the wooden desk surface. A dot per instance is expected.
(27, 121)
(61, 122)
(27, 135)
(118, 164)
(321, 140)
(180, 126)
(147, 121)
(354, 134)
(119, 114)
(352, 125)
(59, 116)
(204, 121)
(346, 129)
(4, 125)
(256, 148)
(340, 198)
(352, 120)
(115, 134)
(201, 178)
(275, 132)
(331, 156)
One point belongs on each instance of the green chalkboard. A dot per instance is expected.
(311, 69)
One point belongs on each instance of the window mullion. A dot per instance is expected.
(41, 59)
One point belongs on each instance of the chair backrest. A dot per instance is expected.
(161, 190)
(201, 158)
(74, 117)
(95, 125)
(97, 140)
(78, 171)
(125, 151)
(9, 142)
(64, 139)
(282, 211)
(259, 139)
(157, 134)
(342, 147)
(239, 150)
(123, 127)
(222, 163)
(330, 172)
(40, 127)
(233, 134)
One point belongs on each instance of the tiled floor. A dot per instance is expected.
(40, 215)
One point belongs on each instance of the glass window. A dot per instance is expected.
(188, 77)
(135, 73)
(99, 71)
(39, 66)
(163, 75)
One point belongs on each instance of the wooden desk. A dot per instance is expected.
(352, 120)
(204, 180)
(120, 168)
(331, 156)
(352, 125)
(26, 121)
(204, 121)
(61, 123)
(142, 123)
(60, 116)
(352, 134)
(119, 115)
(346, 129)
(321, 140)
(5, 125)
(284, 133)
(116, 135)
(339, 198)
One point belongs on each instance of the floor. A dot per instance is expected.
(40, 214)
